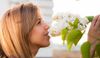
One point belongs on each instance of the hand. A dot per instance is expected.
(94, 34)
(94, 31)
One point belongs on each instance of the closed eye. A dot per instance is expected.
(39, 21)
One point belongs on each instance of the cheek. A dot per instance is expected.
(37, 38)
(36, 35)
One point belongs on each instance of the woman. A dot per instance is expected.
(23, 32)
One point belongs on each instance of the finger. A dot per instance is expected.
(97, 25)
(94, 21)
(92, 50)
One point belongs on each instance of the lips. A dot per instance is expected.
(46, 34)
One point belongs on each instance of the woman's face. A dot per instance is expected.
(39, 34)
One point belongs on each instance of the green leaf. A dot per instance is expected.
(69, 45)
(64, 33)
(75, 23)
(78, 37)
(85, 50)
(74, 36)
(90, 18)
(98, 50)
(70, 23)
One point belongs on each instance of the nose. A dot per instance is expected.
(46, 26)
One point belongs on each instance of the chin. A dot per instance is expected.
(45, 45)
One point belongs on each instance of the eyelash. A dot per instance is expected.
(39, 22)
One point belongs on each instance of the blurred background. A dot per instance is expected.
(50, 7)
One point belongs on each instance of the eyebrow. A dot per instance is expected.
(39, 18)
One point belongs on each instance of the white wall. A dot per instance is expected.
(4, 5)
(81, 7)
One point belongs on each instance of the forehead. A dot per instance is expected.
(39, 16)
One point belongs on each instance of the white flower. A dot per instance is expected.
(60, 21)
(57, 26)
(84, 21)
(81, 27)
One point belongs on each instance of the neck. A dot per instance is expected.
(34, 50)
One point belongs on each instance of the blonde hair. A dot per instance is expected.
(15, 26)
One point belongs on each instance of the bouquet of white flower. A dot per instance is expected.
(70, 26)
